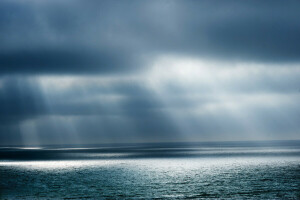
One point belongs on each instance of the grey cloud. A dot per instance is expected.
(110, 46)
(20, 97)
(113, 36)
(140, 115)
(66, 61)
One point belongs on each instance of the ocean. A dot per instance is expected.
(212, 170)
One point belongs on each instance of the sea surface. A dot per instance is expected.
(226, 170)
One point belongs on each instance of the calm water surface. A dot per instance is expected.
(185, 172)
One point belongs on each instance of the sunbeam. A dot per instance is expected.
(149, 99)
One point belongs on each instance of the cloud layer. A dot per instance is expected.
(90, 36)
(92, 72)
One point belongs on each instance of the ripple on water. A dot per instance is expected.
(233, 178)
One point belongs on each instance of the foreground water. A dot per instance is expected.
(235, 171)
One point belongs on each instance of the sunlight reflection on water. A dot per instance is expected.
(238, 176)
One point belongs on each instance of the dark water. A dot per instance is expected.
(196, 171)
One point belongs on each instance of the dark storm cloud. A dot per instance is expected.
(20, 98)
(64, 61)
(88, 71)
(92, 114)
(130, 111)
(92, 36)
(24, 97)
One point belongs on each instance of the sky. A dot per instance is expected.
(88, 72)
